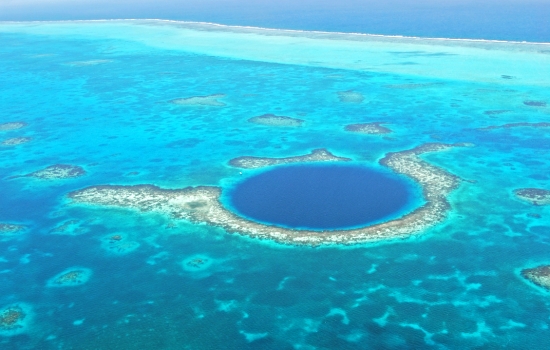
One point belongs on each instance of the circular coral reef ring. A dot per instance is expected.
(535, 196)
(202, 204)
(15, 319)
(74, 276)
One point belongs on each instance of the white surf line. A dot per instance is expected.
(290, 30)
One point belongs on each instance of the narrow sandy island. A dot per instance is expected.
(202, 204)
(517, 125)
(317, 155)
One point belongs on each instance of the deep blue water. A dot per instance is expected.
(320, 197)
(485, 19)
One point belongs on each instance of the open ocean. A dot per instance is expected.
(100, 95)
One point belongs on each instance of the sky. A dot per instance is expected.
(490, 19)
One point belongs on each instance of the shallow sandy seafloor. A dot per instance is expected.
(159, 111)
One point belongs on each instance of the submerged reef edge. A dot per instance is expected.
(202, 204)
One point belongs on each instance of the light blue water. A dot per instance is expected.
(456, 285)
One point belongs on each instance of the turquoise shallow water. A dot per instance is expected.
(97, 95)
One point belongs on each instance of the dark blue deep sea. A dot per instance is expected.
(99, 95)
(520, 20)
(321, 197)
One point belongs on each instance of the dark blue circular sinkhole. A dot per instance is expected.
(321, 196)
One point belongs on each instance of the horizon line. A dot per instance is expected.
(395, 36)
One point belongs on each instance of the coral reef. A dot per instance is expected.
(318, 155)
(516, 125)
(70, 228)
(88, 63)
(16, 141)
(7, 230)
(411, 85)
(11, 319)
(210, 100)
(350, 96)
(119, 244)
(12, 126)
(71, 277)
(202, 204)
(374, 128)
(15, 319)
(275, 120)
(539, 275)
(196, 263)
(57, 171)
(536, 196)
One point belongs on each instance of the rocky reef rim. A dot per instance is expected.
(202, 204)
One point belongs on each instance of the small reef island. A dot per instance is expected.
(539, 125)
(70, 227)
(374, 128)
(11, 229)
(318, 155)
(74, 276)
(14, 319)
(538, 275)
(350, 96)
(210, 100)
(12, 126)
(14, 141)
(119, 244)
(535, 196)
(202, 204)
(57, 171)
(88, 63)
(276, 120)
